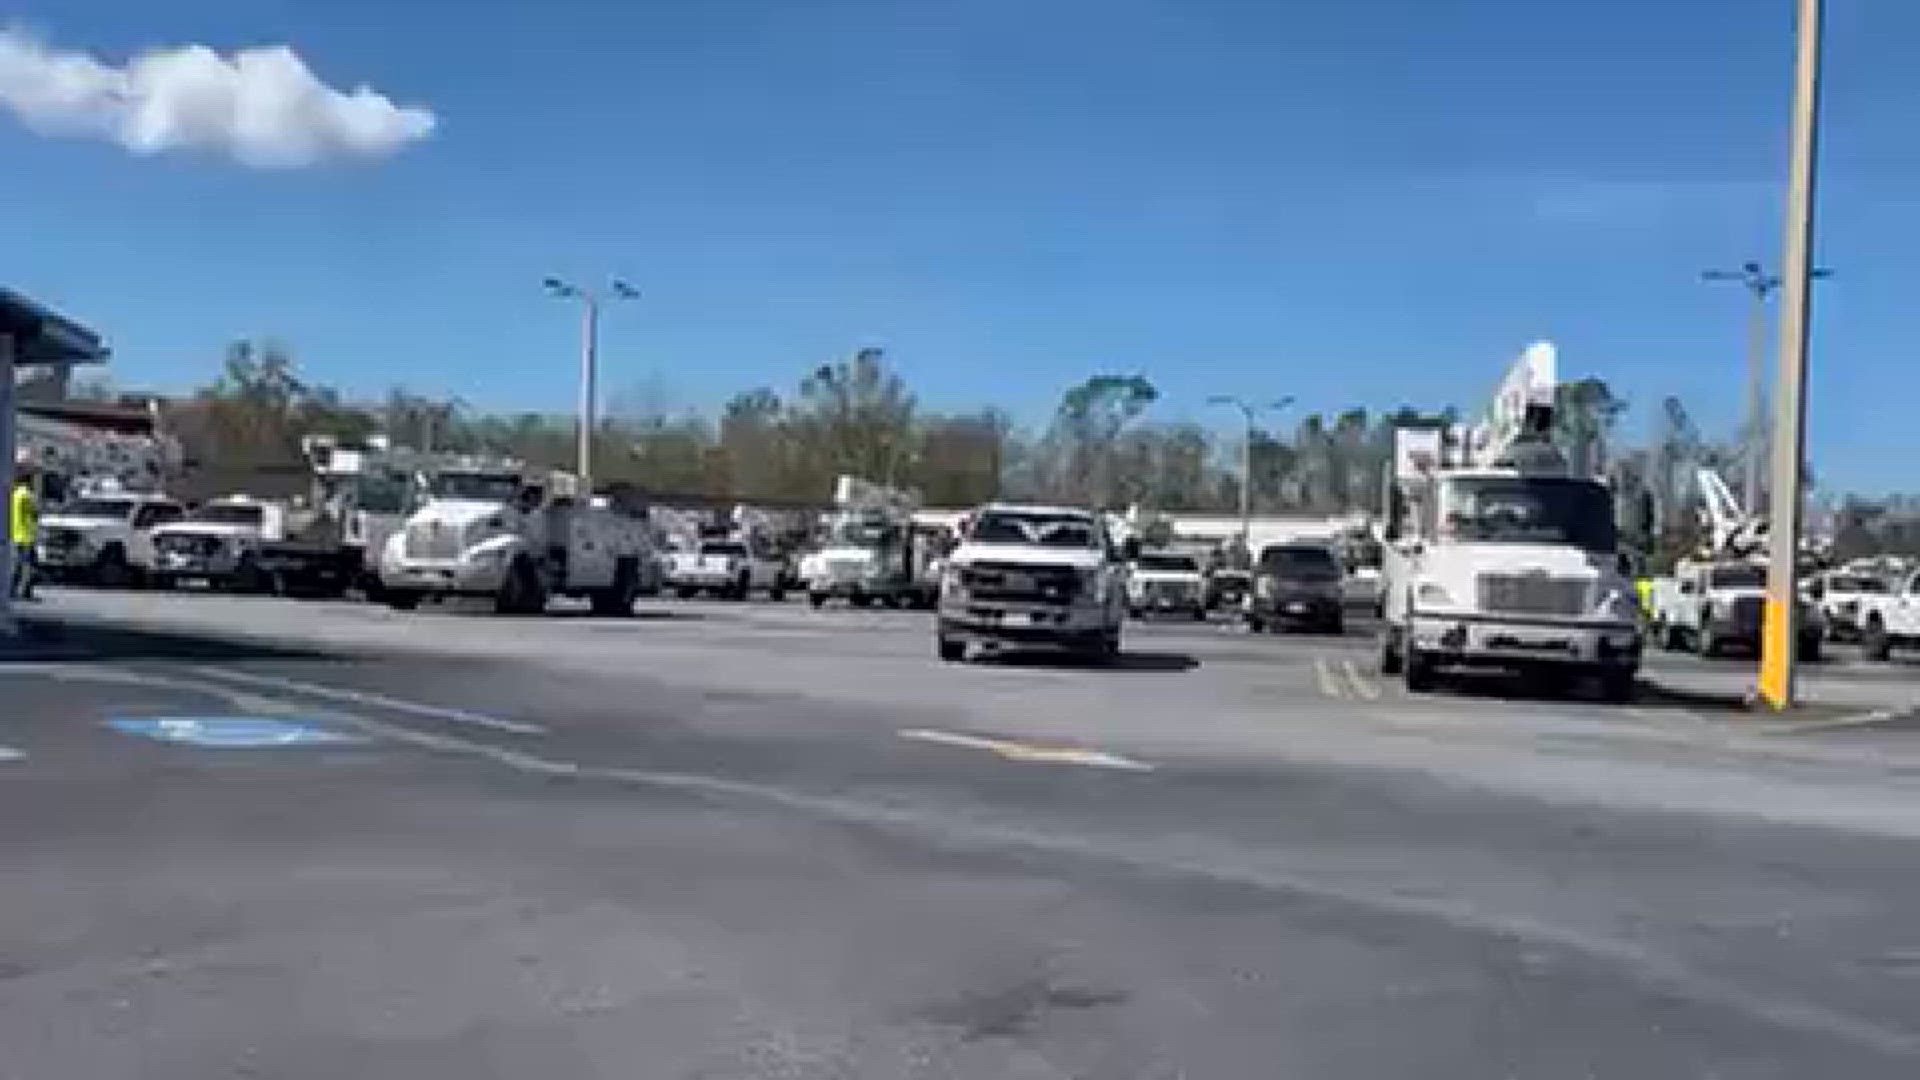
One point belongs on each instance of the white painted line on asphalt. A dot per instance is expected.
(1866, 719)
(1018, 751)
(1328, 684)
(1360, 684)
(363, 697)
(8, 753)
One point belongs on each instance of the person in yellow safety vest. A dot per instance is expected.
(26, 530)
(1644, 586)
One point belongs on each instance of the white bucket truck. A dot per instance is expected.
(1498, 555)
(496, 530)
(871, 550)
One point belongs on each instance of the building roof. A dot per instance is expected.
(43, 336)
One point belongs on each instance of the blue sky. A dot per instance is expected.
(1370, 201)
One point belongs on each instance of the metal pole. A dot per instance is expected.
(588, 332)
(1790, 414)
(1246, 483)
(1756, 392)
(7, 441)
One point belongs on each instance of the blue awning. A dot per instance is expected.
(43, 336)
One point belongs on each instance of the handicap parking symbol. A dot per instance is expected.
(228, 732)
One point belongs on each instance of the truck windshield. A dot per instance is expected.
(113, 509)
(859, 532)
(1737, 577)
(1857, 585)
(1046, 530)
(1300, 563)
(228, 514)
(479, 487)
(1529, 510)
(1174, 564)
(727, 548)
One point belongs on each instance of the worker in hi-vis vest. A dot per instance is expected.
(26, 531)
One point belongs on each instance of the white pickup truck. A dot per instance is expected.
(1713, 606)
(1843, 598)
(729, 568)
(1024, 576)
(1891, 620)
(1167, 581)
(103, 539)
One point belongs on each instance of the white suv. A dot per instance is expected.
(103, 539)
(1043, 576)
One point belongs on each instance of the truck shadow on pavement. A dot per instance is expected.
(1130, 660)
(50, 639)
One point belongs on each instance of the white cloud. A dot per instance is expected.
(264, 107)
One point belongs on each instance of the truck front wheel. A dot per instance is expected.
(401, 599)
(1616, 685)
(617, 599)
(522, 593)
(1874, 642)
(1390, 659)
(1419, 671)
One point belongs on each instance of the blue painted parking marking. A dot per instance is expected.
(228, 732)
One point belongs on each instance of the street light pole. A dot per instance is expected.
(1790, 414)
(589, 365)
(1761, 285)
(1247, 410)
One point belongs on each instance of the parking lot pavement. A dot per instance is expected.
(752, 839)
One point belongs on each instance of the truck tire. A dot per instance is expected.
(1390, 659)
(617, 599)
(1256, 624)
(952, 650)
(741, 589)
(1672, 638)
(400, 599)
(1706, 642)
(778, 592)
(686, 592)
(860, 599)
(252, 578)
(1875, 644)
(110, 569)
(1809, 649)
(522, 593)
(1419, 671)
(1617, 686)
(817, 600)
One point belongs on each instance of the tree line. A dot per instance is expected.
(1101, 446)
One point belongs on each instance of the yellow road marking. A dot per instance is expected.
(1018, 751)
(1360, 685)
(1329, 685)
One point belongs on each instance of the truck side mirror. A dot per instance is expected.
(1130, 548)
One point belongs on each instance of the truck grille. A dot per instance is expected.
(845, 570)
(1171, 590)
(1533, 594)
(432, 540)
(183, 544)
(61, 539)
(1745, 611)
(1012, 581)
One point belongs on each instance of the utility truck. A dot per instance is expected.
(497, 529)
(313, 544)
(1498, 554)
(1891, 620)
(871, 551)
(1716, 601)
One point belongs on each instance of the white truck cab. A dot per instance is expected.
(1167, 581)
(219, 543)
(1046, 576)
(105, 538)
(728, 566)
(497, 531)
(1891, 620)
(1498, 555)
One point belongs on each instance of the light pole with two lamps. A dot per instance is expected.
(589, 345)
(1248, 409)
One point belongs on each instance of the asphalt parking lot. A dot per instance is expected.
(256, 837)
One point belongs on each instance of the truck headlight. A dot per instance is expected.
(1619, 606)
(1093, 583)
(952, 583)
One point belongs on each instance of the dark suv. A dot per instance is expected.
(1296, 585)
